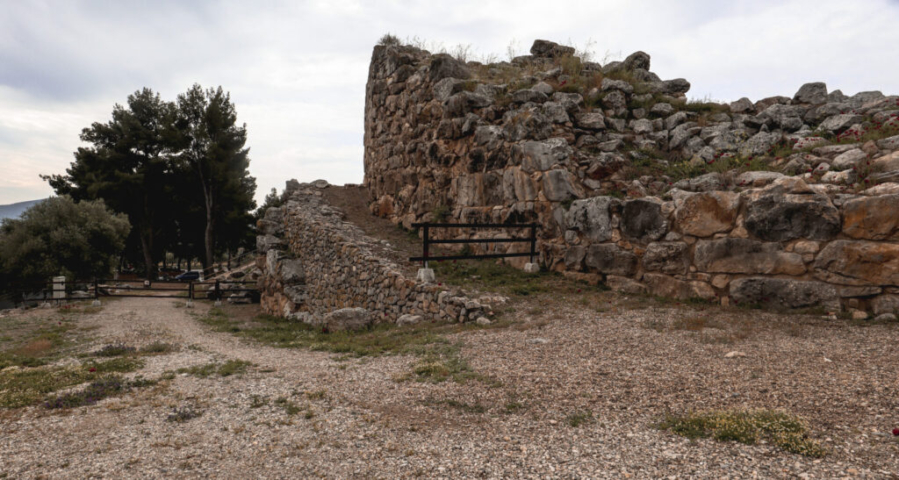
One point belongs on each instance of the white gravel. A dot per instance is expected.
(552, 365)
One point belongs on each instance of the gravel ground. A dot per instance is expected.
(625, 364)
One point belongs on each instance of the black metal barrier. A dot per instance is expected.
(427, 241)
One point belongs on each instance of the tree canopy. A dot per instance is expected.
(179, 171)
(60, 237)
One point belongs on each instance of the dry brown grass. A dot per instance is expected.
(35, 348)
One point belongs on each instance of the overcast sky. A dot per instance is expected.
(296, 70)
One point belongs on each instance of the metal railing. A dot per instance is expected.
(427, 241)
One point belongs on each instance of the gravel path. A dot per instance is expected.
(625, 366)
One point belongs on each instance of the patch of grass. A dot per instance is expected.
(183, 414)
(79, 310)
(579, 418)
(219, 321)
(289, 407)
(115, 365)
(444, 362)
(383, 339)
(316, 395)
(748, 427)
(702, 106)
(96, 391)
(231, 367)
(440, 361)
(513, 407)
(503, 278)
(115, 350)
(37, 348)
(158, 348)
(20, 388)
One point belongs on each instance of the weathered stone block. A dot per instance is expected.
(624, 285)
(849, 262)
(667, 257)
(783, 292)
(292, 272)
(444, 66)
(872, 218)
(706, 214)
(591, 217)
(610, 259)
(352, 319)
(780, 217)
(671, 287)
(543, 155)
(740, 255)
(642, 220)
(560, 185)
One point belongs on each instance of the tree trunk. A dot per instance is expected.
(209, 240)
(146, 243)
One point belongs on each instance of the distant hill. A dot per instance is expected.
(13, 210)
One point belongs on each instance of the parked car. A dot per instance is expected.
(188, 276)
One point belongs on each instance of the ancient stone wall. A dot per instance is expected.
(785, 201)
(314, 263)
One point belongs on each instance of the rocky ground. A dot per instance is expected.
(612, 366)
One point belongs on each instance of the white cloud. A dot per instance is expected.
(297, 70)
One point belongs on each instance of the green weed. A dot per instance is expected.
(748, 427)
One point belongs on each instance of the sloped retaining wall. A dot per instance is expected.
(315, 263)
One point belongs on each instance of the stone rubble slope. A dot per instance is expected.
(319, 269)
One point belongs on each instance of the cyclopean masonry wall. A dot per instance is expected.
(794, 220)
(315, 264)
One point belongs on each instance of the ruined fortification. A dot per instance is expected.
(787, 201)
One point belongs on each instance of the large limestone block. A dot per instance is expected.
(872, 218)
(352, 319)
(609, 259)
(706, 214)
(590, 121)
(741, 255)
(849, 262)
(518, 186)
(292, 272)
(666, 286)
(445, 66)
(783, 293)
(591, 217)
(574, 257)
(560, 185)
(265, 243)
(667, 257)
(546, 48)
(644, 220)
(469, 190)
(703, 183)
(812, 93)
(885, 304)
(839, 123)
(759, 144)
(543, 155)
(780, 217)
